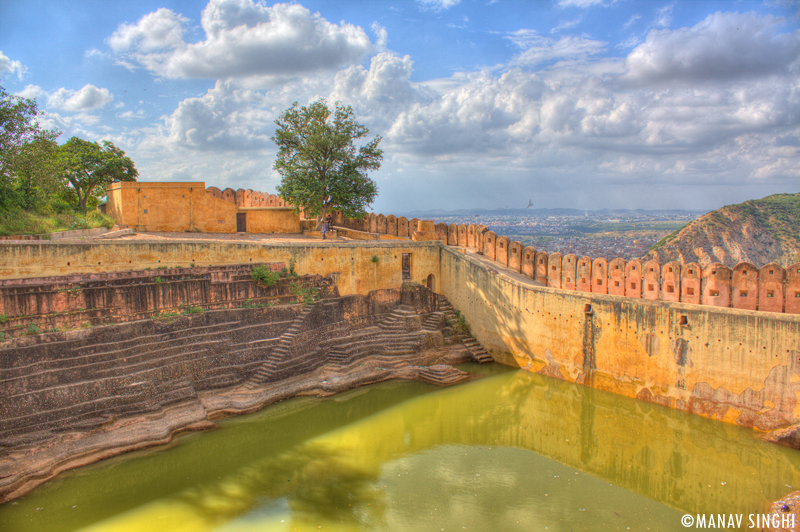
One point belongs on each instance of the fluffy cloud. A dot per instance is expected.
(243, 39)
(162, 29)
(88, 98)
(724, 46)
(9, 66)
(575, 129)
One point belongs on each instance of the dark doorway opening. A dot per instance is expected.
(406, 266)
(431, 283)
(241, 222)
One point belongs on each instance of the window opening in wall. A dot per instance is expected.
(583, 280)
(541, 261)
(650, 288)
(770, 293)
(684, 321)
(527, 256)
(670, 288)
(689, 291)
(652, 270)
(406, 266)
(713, 293)
(690, 272)
(713, 272)
(771, 272)
(743, 293)
(569, 280)
(797, 294)
(553, 268)
(599, 282)
(501, 245)
(616, 283)
(633, 286)
(669, 270)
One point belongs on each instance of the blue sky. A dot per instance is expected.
(568, 103)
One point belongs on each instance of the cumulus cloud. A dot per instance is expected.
(88, 98)
(724, 46)
(9, 66)
(31, 92)
(242, 38)
(577, 127)
(161, 29)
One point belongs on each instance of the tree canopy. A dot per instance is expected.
(321, 169)
(90, 167)
(26, 151)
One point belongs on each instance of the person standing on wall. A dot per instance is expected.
(329, 221)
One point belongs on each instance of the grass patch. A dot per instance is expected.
(19, 222)
(305, 294)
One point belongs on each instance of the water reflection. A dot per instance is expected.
(504, 452)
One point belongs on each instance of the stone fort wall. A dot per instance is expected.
(731, 364)
(770, 288)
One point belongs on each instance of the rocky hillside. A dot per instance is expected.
(756, 231)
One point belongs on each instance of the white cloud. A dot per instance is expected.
(9, 66)
(86, 99)
(437, 5)
(656, 119)
(243, 39)
(579, 3)
(537, 49)
(161, 29)
(724, 46)
(664, 16)
(631, 21)
(381, 35)
(31, 91)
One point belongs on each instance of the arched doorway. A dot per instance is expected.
(431, 284)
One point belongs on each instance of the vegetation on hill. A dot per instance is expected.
(756, 231)
(45, 187)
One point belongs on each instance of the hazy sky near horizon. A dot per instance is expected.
(480, 103)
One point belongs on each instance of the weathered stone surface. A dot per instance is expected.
(74, 398)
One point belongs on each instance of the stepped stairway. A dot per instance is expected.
(440, 374)
(398, 318)
(269, 369)
(478, 353)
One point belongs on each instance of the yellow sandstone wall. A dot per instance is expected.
(352, 262)
(729, 364)
(188, 206)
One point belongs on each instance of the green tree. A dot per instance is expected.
(90, 167)
(321, 169)
(25, 147)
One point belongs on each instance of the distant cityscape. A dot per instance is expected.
(610, 234)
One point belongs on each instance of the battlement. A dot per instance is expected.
(770, 288)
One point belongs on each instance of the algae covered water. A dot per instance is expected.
(511, 451)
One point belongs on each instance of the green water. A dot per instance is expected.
(511, 451)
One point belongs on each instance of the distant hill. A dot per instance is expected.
(756, 231)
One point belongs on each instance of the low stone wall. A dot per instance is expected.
(30, 306)
(350, 262)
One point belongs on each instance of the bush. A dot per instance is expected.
(264, 276)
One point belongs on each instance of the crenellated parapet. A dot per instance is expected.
(248, 198)
(770, 288)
